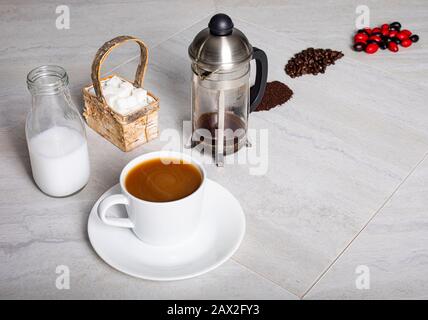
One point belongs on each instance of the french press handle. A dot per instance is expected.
(258, 89)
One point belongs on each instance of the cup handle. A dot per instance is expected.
(106, 203)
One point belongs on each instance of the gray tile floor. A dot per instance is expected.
(346, 182)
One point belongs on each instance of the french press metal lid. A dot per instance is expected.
(221, 95)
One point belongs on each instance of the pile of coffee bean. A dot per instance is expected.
(386, 36)
(276, 93)
(311, 61)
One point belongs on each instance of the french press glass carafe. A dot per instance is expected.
(221, 95)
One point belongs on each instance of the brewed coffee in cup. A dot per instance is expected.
(163, 179)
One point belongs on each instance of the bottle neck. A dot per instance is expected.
(47, 81)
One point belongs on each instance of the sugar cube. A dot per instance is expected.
(107, 90)
(110, 99)
(131, 102)
(113, 82)
(141, 96)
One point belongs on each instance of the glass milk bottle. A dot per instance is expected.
(55, 134)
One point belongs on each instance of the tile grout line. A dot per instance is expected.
(425, 156)
(265, 278)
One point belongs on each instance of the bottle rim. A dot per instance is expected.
(47, 79)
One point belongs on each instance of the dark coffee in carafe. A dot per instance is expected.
(206, 127)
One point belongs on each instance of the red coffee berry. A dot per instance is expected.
(385, 29)
(402, 35)
(376, 38)
(376, 30)
(372, 48)
(408, 33)
(368, 30)
(385, 32)
(361, 37)
(392, 46)
(392, 33)
(406, 43)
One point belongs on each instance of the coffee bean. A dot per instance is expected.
(359, 46)
(311, 61)
(396, 25)
(371, 41)
(363, 31)
(414, 38)
(395, 39)
(383, 45)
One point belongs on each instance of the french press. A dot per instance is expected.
(221, 95)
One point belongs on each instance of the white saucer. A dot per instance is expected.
(219, 236)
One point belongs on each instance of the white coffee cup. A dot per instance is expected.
(157, 223)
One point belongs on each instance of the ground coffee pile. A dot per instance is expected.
(311, 61)
(276, 93)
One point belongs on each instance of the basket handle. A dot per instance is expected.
(104, 52)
